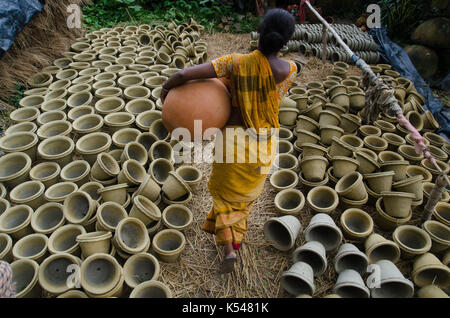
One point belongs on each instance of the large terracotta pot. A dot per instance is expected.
(205, 100)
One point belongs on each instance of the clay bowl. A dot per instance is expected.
(58, 149)
(429, 270)
(357, 224)
(136, 151)
(16, 221)
(14, 168)
(77, 172)
(412, 241)
(322, 199)
(108, 92)
(47, 218)
(161, 149)
(60, 191)
(25, 142)
(30, 193)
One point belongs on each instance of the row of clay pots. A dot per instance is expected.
(102, 208)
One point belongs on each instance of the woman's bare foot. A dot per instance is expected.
(229, 259)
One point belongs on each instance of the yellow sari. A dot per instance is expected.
(237, 180)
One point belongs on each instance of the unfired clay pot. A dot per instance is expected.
(299, 279)
(16, 221)
(54, 274)
(46, 172)
(343, 165)
(47, 218)
(284, 179)
(322, 199)
(101, 274)
(140, 268)
(25, 142)
(392, 282)
(378, 248)
(94, 242)
(33, 246)
(290, 201)
(177, 217)
(350, 257)
(169, 244)
(151, 289)
(412, 241)
(386, 221)
(145, 210)
(77, 172)
(25, 278)
(282, 232)
(159, 170)
(314, 168)
(131, 236)
(350, 285)
(442, 213)
(132, 173)
(30, 193)
(323, 229)
(351, 186)
(314, 254)
(63, 240)
(357, 224)
(428, 269)
(90, 145)
(105, 167)
(439, 234)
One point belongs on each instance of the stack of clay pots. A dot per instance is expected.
(366, 175)
(308, 39)
(90, 176)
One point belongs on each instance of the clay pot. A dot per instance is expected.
(322, 199)
(116, 121)
(357, 224)
(285, 134)
(301, 101)
(63, 240)
(174, 186)
(367, 163)
(412, 171)
(409, 153)
(398, 167)
(428, 269)
(14, 168)
(338, 110)
(145, 119)
(340, 148)
(386, 221)
(438, 153)
(343, 165)
(94, 242)
(182, 200)
(6, 245)
(429, 122)
(284, 179)
(306, 124)
(350, 257)
(412, 241)
(80, 99)
(314, 254)
(351, 186)
(160, 149)
(329, 118)
(439, 234)
(168, 245)
(177, 217)
(288, 116)
(146, 140)
(33, 246)
(131, 236)
(286, 161)
(32, 101)
(435, 139)
(431, 168)
(132, 173)
(310, 150)
(350, 285)
(394, 141)
(105, 167)
(88, 124)
(290, 201)
(101, 275)
(392, 283)
(109, 105)
(323, 229)
(4, 205)
(385, 127)
(397, 204)
(159, 129)
(77, 112)
(375, 143)
(441, 213)
(136, 151)
(314, 168)
(140, 268)
(25, 278)
(299, 279)
(30, 193)
(58, 149)
(350, 123)
(60, 191)
(115, 193)
(22, 127)
(24, 114)
(54, 276)
(144, 210)
(328, 132)
(159, 170)
(378, 248)
(108, 92)
(380, 181)
(281, 232)
(412, 185)
(368, 130)
(388, 156)
(122, 137)
(76, 172)
(90, 145)
(47, 218)
(304, 136)
(191, 175)
(151, 289)
(20, 142)
(313, 111)
(54, 128)
(431, 291)
(415, 119)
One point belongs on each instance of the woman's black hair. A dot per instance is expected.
(275, 30)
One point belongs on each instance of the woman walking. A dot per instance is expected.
(257, 82)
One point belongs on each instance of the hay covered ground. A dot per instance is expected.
(259, 266)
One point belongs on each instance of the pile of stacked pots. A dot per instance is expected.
(90, 177)
(346, 169)
(308, 39)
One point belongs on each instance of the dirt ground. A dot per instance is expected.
(260, 266)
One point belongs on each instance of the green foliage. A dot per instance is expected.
(209, 13)
(400, 17)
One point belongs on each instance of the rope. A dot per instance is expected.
(6, 281)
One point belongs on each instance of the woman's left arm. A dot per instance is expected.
(201, 71)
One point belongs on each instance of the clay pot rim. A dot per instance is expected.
(25, 168)
(287, 155)
(57, 232)
(59, 184)
(77, 121)
(419, 270)
(314, 146)
(374, 147)
(20, 125)
(154, 213)
(320, 209)
(340, 255)
(22, 109)
(310, 158)
(56, 139)
(332, 127)
(20, 242)
(432, 235)
(390, 218)
(355, 202)
(343, 144)
(94, 236)
(138, 165)
(397, 194)
(350, 187)
(156, 283)
(22, 148)
(40, 210)
(284, 171)
(360, 212)
(40, 131)
(312, 107)
(424, 234)
(108, 122)
(343, 158)
(432, 169)
(308, 282)
(175, 251)
(145, 244)
(118, 275)
(109, 204)
(392, 244)
(34, 279)
(43, 282)
(144, 255)
(308, 248)
(112, 188)
(285, 192)
(313, 184)
(87, 170)
(87, 217)
(408, 181)
(437, 214)
(97, 150)
(379, 174)
(16, 200)
(394, 163)
(308, 119)
(188, 167)
(177, 227)
(168, 201)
